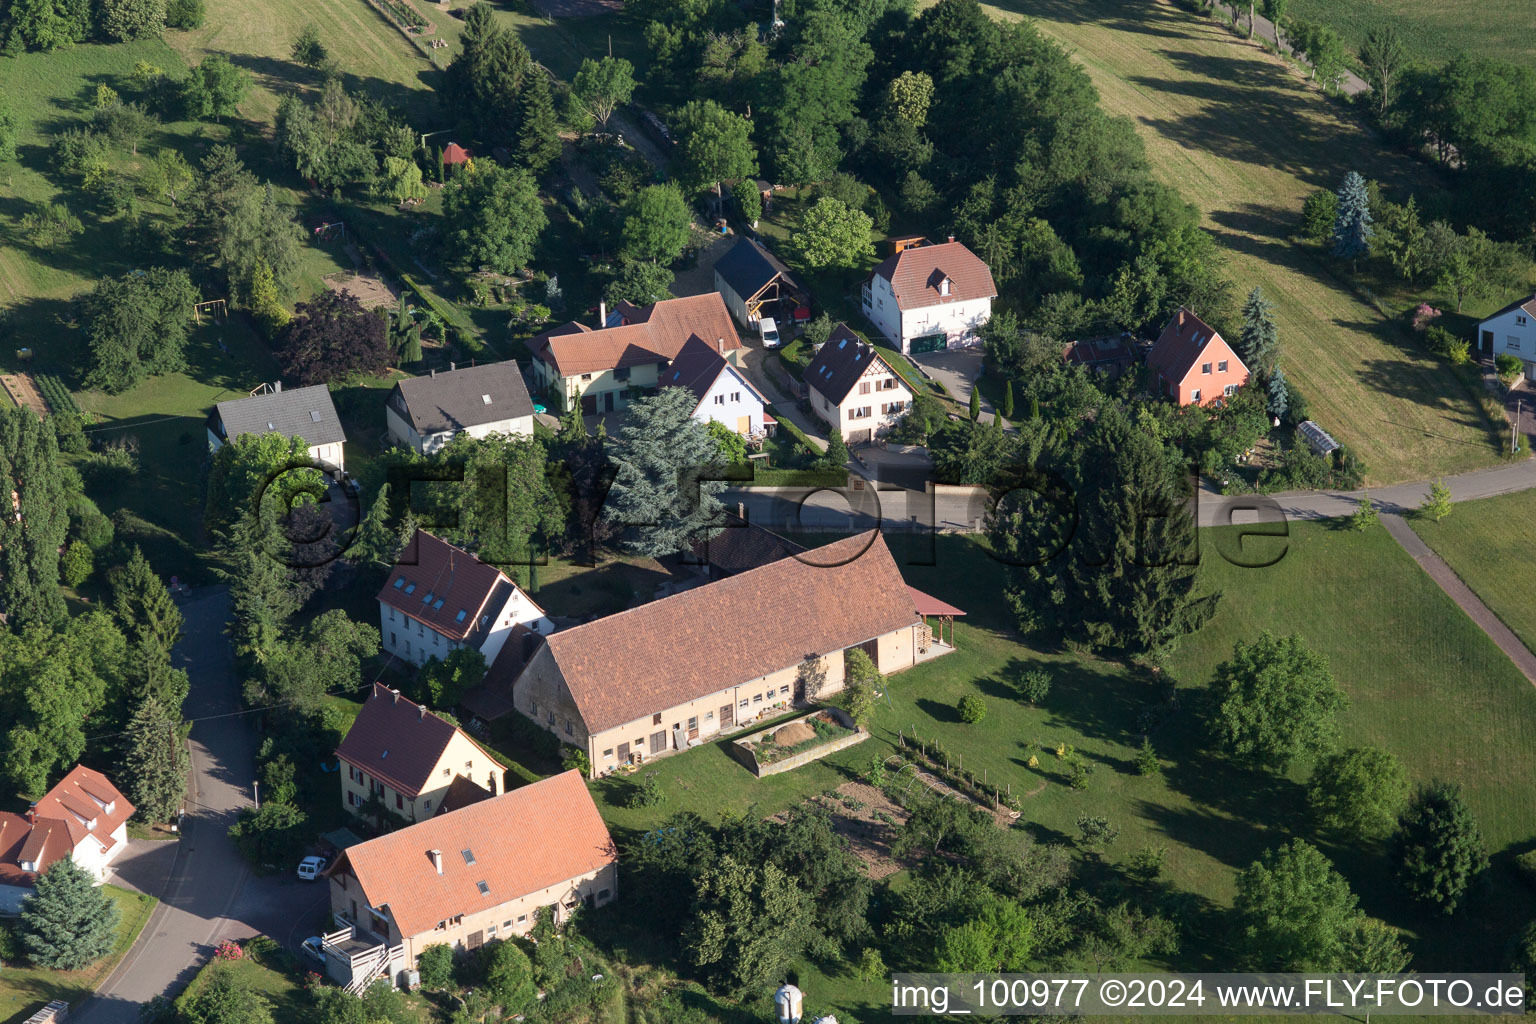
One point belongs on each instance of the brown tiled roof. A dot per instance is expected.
(82, 796)
(454, 153)
(461, 588)
(1113, 352)
(522, 842)
(697, 366)
(837, 365)
(915, 274)
(397, 740)
(20, 840)
(657, 333)
(729, 631)
(462, 792)
(1182, 344)
(927, 604)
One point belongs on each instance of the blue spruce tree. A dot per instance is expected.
(1352, 223)
(1279, 394)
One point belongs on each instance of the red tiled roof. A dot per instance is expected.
(1182, 344)
(457, 583)
(700, 641)
(522, 842)
(61, 822)
(915, 274)
(656, 334)
(398, 741)
(454, 153)
(928, 605)
(462, 792)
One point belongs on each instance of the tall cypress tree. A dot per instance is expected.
(538, 138)
(1260, 338)
(155, 762)
(1352, 223)
(30, 537)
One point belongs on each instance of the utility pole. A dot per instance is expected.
(256, 792)
(1514, 433)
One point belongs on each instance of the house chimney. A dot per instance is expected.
(951, 238)
(741, 510)
(720, 345)
(32, 814)
(397, 695)
(421, 712)
(437, 859)
(452, 366)
(602, 314)
(1181, 317)
(277, 387)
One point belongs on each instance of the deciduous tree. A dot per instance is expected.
(1277, 701)
(1295, 911)
(655, 224)
(494, 217)
(1359, 791)
(136, 326)
(1384, 58)
(30, 539)
(832, 234)
(214, 89)
(714, 144)
(131, 19)
(603, 85)
(333, 338)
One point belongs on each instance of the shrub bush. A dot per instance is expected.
(972, 709)
(435, 963)
(1508, 366)
(1034, 686)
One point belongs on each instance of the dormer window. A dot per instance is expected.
(944, 286)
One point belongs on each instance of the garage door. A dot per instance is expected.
(929, 343)
(857, 436)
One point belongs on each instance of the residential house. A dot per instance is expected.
(929, 297)
(425, 413)
(1112, 355)
(755, 284)
(668, 675)
(1512, 330)
(723, 392)
(305, 413)
(83, 818)
(409, 758)
(1193, 365)
(854, 389)
(439, 598)
(476, 875)
(605, 369)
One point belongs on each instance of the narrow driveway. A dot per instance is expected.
(209, 894)
(785, 406)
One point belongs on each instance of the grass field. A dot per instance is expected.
(1243, 137)
(24, 990)
(1433, 30)
(1484, 541)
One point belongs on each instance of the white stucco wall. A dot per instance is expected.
(958, 320)
(728, 400)
(402, 433)
(878, 420)
(880, 308)
(1513, 332)
(417, 643)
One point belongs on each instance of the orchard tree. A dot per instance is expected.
(494, 217)
(10, 130)
(655, 224)
(1358, 791)
(67, 923)
(715, 144)
(833, 234)
(1440, 850)
(1352, 221)
(136, 326)
(509, 977)
(1294, 911)
(750, 922)
(603, 85)
(185, 14)
(214, 88)
(1278, 701)
(1437, 503)
(333, 338)
(130, 19)
(657, 495)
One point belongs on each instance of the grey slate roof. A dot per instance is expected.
(748, 268)
(301, 412)
(839, 364)
(697, 367)
(456, 400)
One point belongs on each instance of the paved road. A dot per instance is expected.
(209, 894)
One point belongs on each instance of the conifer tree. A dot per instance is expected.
(143, 605)
(975, 405)
(156, 762)
(1440, 849)
(836, 455)
(67, 923)
(538, 138)
(1260, 338)
(1352, 223)
(1279, 394)
(262, 595)
(1008, 400)
(30, 539)
(376, 542)
(658, 495)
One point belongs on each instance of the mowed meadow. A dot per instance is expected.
(1433, 30)
(1245, 138)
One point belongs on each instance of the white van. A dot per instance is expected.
(769, 332)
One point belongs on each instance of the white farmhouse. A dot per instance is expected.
(1513, 330)
(724, 394)
(306, 413)
(854, 389)
(439, 598)
(426, 413)
(930, 297)
(84, 818)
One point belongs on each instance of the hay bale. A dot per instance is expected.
(794, 732)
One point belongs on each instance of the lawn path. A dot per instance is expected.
(1244, 137)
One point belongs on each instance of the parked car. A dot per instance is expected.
(769, 332)
(311, 867)
(313, 949)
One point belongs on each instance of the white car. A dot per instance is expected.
(313, 949)
(769, 332)
(311, 867)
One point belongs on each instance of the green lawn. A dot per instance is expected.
(1484, 542)
(24, 990)
(1433, 30)
(1246, 139)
